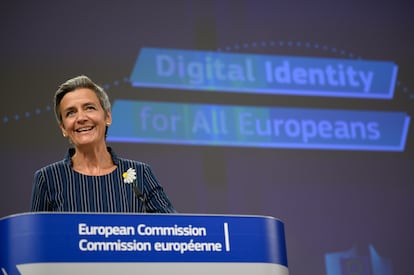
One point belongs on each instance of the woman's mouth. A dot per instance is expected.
(84, 129)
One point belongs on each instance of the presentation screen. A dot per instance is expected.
(302, 111)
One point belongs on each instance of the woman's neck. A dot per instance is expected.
(93, 161)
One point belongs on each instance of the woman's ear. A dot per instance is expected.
(108, 119)
(62, 128)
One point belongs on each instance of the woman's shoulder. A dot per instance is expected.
(131, 162)
(61, 164)
(58, 165)
(125, 162)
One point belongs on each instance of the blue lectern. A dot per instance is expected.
(83, 243)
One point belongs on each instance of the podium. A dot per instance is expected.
(89, 243)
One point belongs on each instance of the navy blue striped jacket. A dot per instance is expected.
(57, 187)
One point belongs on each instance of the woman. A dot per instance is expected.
(91, 178)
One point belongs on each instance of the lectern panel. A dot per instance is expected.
(75, 243)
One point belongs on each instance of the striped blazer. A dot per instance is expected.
(57, 187)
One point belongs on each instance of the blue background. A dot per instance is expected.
(329, 200)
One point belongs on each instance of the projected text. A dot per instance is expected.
(202, 124)
(252, 73)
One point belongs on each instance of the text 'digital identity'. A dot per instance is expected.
(254, 73)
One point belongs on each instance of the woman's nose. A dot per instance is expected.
(82, 116)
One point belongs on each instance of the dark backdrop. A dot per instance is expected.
(329, 200)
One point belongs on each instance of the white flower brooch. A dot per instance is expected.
(130, 175)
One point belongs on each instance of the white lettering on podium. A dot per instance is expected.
(149, 239)
(190, 246)
(85, 245)
(226, 236)
(84, 229)
(175, 230)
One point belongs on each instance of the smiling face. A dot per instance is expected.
(83, 119)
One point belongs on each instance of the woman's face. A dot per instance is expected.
(83, 118)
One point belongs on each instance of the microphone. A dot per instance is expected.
(140, 197)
